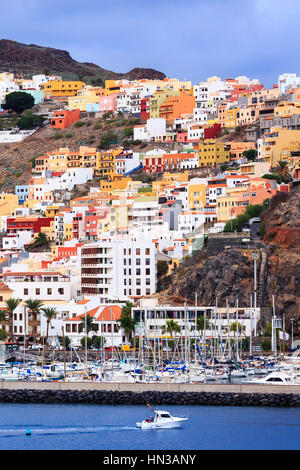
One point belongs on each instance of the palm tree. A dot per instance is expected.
(34, 305)
(41, 240)
(282, 170)
(126, 321)
(49, 313)
(7, 314)
(171, 326)
(88, 325)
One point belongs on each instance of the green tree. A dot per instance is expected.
(250, 154)
(49, 313)
(162, 268)
(88, 325)
(201, 324)
(282, 171)
(3, 335)
(18, 101)
(41, 240)
(7, 314)
(98, 341)
(128, 132)
(29, 120)
(126, 321)
(268, 330)
(170, 327)
(266, 345)
(34, 306)
(89, 342)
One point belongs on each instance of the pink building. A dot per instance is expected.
(108, 103)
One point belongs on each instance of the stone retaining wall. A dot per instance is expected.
(117, 397)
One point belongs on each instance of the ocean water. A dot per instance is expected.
(112, 427)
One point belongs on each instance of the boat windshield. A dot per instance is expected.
(165, 415)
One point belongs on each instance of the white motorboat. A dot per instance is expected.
(161, 420)
(274, 378)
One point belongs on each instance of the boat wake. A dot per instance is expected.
(36, 430)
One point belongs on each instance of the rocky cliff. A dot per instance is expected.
(30, 59)
(229, 274)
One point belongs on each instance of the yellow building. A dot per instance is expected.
(286, 108)
(106, 163)
(157, 99)
(8, 202)
(278, 143)
(112, 86)
(68, 231)
(231, 117)
(85, 96)
(227, 203)
(63, 159)
(197, 196)
(212, 153)
(49, 231)
(61, 88)
(167, 180)
(51, 211)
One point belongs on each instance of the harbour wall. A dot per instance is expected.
(157, 394)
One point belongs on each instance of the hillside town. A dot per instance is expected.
(100, 225)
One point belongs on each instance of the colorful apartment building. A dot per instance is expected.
(157, 99)
(174, 106)
(231, 117)
(32, 224)
(237, 149)
(61, 88)
(212, 153)
(276, 144)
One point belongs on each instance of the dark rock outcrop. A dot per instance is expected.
(30, 59)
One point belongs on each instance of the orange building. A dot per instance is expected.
(175, 106)
(237, 149)
(63, 119)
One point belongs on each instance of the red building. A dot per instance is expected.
(22, 224)
(67, 251)
(212, 132)
(153, 164)
(64, 118)
(145, 108)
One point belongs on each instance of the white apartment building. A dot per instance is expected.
(152, 317)
(118, 269)
(41, 285)
(154, 127)
(287, 81)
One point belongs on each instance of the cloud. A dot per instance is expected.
(189, 40)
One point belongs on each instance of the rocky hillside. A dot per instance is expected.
(30, 59)
(282, 219)
(229, 274)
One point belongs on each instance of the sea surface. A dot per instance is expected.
(112, 427)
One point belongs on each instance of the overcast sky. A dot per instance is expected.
(187, 39)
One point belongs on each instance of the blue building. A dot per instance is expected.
(22, 192)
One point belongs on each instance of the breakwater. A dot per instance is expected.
(50, 393)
